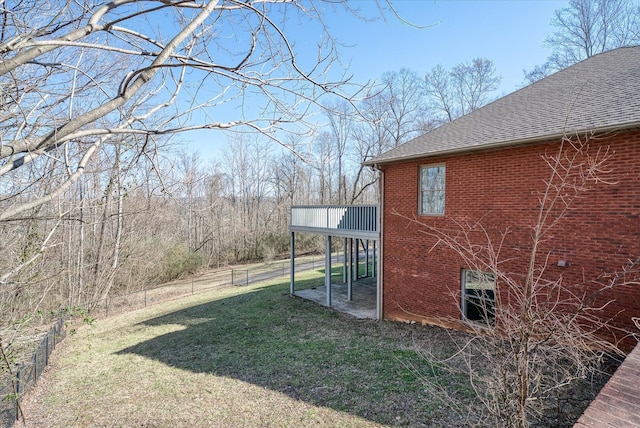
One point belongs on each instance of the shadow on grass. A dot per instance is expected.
(306, 351)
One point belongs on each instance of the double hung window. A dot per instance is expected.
(432, 189)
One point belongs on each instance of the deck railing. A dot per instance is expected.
(358, 221)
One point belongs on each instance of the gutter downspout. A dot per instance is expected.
(380, 270)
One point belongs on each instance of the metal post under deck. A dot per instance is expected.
(344, 261)
(350, 275)
(375, 260)
(327, 269)
(379, 285)
(356, 261)
(366, 258)
(292, 276)
(354, 252)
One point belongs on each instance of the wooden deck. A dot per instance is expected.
(618, 403)
(348, 221)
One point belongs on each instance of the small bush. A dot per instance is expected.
(274, 244)
(179, 261)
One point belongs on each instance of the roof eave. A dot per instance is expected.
(503, 144)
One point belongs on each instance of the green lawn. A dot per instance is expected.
(244, 357)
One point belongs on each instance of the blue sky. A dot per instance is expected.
(511, 33)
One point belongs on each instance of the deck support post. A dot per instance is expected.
(350, 275)
(327, 269)
(354, 265)
(292, 276)
(344, 261)
(366, 258)
(375, 260)
(378, 274)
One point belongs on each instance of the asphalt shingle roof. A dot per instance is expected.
(598, 94)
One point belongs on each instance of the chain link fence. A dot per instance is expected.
(195, 285)
(26, 375)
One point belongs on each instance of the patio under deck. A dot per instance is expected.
(363, 300)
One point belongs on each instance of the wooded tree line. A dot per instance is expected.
(143, 211)
(91, 199)
(94, 199)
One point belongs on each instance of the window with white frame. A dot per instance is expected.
(478, 296)
(432, 189)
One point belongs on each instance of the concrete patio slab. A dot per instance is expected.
(362, 305)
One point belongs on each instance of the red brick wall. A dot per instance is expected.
(501, 190)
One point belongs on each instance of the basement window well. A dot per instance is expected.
(478, 296)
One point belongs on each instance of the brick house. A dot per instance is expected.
(481, 179)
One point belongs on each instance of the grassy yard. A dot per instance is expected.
(244, 357)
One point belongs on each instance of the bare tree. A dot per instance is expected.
(465, 88)
(400, 105)
(191, 191)
(341, 116)
(249, 178)
(86, 85)
(394, 114)
(324, 157)
(586, 28)
(65, 82)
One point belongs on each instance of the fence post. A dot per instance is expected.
(145, 297)
(17, 391)
(106, 308)
(192, 286)
(232, 277)
(247, 277)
